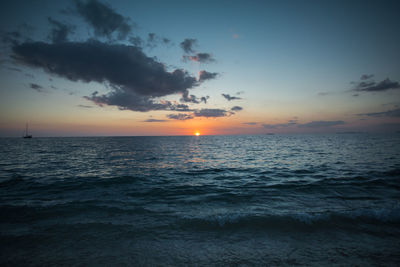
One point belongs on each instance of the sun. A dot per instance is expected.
(197, 134)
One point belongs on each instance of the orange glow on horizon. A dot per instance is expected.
(197, 134)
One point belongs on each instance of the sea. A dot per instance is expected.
(263, 200)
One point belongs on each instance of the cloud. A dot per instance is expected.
(367, 84)
(84, 106)
(236, 108)
(60, 31)
(280, 125)
(388, 113)
(14, 69)
(200, 57)
(205, 75)
(154, 120)
(180, 107)
(250, 123)
(36, 87)
(230, 98)
(180, 116)
(319, 124)
(313, 124)
(153, 40)
(128, 100)
(123, 66)
(151, 37)
(104, 20)
(211, 113)
(366, 76)
(187, 45)
(193, 99)
(136, 41)
(12, 37)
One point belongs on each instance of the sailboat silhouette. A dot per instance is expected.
(26, 132)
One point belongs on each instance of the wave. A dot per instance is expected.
(295, 222)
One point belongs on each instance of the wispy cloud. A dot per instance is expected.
(230, 98)
(193, 99)
(188, 45)
(321, 124)
(280, 125)
(84, 106)
(367, 84)
(236, 108)
(388, 113)
(60, 31)
(200, 57)
(104, 20)
(180, 116)
(37, 87)
(312, 124)
(205, 75)
(154, 120)
(211, 113)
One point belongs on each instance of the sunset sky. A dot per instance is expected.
(100, 68)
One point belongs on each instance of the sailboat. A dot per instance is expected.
(26, 132)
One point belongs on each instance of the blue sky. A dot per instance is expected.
(297, 66)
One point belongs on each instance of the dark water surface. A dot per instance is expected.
(209, 200)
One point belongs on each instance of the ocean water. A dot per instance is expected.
(201, 201)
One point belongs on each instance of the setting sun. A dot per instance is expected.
(197, 133)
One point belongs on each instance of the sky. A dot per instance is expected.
(133, 68)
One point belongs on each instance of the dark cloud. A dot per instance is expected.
(366, 76)
(193, 99)
(120, 65)
(313, 124)
(200, 57)
(36, 87)
(84, 106)
(104, 20)
(154, 40)
(128, 100)
(319, 124)
(136, 41)
(12, 37)
(230, 98)
(188, 44)
(154, 120)
(211, 113)
(280, 125)
(236, 108)
(21, 34)
(60, 31)
(368, 85)
(250, 123)
(151, 37)
(388, 113)
(180, 107)
(180, 116)
(205, 75)
(14, 69)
